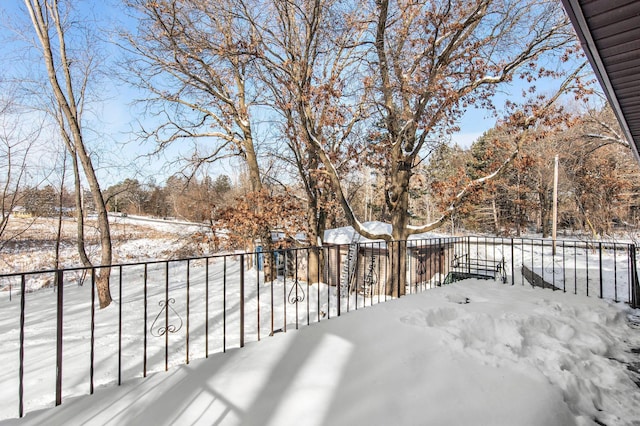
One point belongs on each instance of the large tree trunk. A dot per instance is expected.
(397, 273)
(316, 214)
(317, 219)
(398, 201)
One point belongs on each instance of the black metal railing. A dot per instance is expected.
(170, 312)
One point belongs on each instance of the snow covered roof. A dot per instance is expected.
(345, 235)
(279, 235)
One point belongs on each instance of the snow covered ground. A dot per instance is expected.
(474, 352)
(134, 238)
(577, 267)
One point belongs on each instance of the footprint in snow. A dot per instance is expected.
(461, 300)
(431, 317)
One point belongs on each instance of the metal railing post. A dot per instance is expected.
(59, 323)
(284, 293)
(575, 267)
(224, 304)
(258, 294)
(399, 280)
(271, 295)
(323, 257)
(634, 284)
(615, 273)
(469, 254)
(308, 284)
(119, 324)
(206, 308)
(338, 284)
(242, 300)
(600, 266)
(295, 284)
(93, 326)
(553, 265)
(513, 279)
(188, 309)
(586, 263)
(166, 317)
(21, 370)
(440, 266)
(564, 275)
(145, 308)
(355, 276)
(544, 285)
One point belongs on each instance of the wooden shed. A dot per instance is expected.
(363, 267)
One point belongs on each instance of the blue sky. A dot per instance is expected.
(122, 155)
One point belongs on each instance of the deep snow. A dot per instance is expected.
(475, 352)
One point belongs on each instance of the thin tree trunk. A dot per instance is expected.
(56, 263)
(66, 104)
(496, 225)
(256, 186)
(80, 243)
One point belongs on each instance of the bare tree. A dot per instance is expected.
(433, 59)
(52, 32)
(305, 52)
(418, 64)
(600, 172)
(191, 56)
(16, 141)
(600, 127)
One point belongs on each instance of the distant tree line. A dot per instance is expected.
(598, 189)
(179, 197)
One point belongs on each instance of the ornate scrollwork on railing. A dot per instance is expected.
(296, 294)
(168, 327)
(421, 267)
(371, 278)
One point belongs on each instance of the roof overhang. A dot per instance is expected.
(609, 31)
